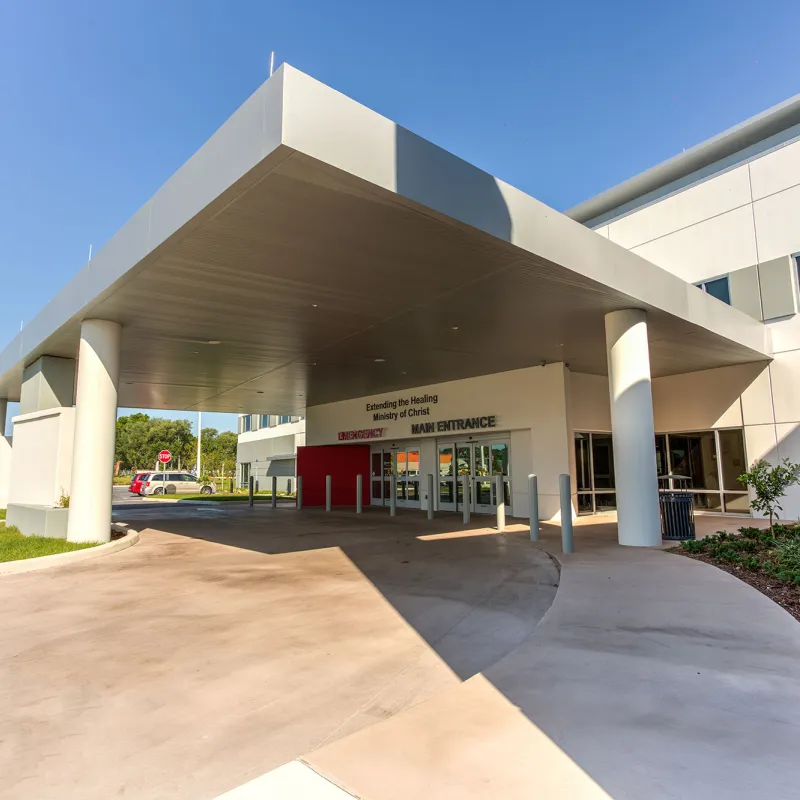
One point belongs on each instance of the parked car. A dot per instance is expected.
(136, 482)
(174, 483)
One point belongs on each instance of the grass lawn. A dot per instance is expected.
(768, 561)
(14, 546)
(261, 497)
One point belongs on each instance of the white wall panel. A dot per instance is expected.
(711, 198)
(785, 371)
(789, 447)
(589, 402)
(778, 224)
(760, 442)
(41, 457)
(710, 248)
(700, 400)
(785, 334)
(775, 171)
(757, 401)
(602, 230)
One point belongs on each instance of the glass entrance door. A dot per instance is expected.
(447, 478)
(481, 462)
(404, 465)
(407, 472)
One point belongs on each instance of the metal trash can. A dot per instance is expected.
(676, 504)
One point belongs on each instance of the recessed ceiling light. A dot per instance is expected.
(454, 327)
(314, 305)
(404, 373)
(195, 352)
(258, 391)
(214, 341)
(129, 383)
(379, 360)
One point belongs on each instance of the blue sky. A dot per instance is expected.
(100, 102)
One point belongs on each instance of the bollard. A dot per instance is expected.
(430, 495)
(256, 487)
(359, 494)
(299, 496)
(274, 491)
(288, 486)
(533, 507)
(328, 493)
(393, 496)
(566, 513)
(465, 504)
(231, 486)
(250, 496)
(501, 503)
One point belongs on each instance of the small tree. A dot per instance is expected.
(769, 483)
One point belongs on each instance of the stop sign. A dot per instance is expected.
(165, 456)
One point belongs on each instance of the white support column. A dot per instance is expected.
(5, 456)
(95, 431)
(632, 428)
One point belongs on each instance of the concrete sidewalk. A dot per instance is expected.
(652, 676)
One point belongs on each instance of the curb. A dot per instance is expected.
(62, 559)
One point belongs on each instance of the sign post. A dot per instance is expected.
(164, 457)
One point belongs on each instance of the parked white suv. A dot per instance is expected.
(174, 483)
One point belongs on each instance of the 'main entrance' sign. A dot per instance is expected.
(445, 425)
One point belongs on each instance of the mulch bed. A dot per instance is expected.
(784, 594)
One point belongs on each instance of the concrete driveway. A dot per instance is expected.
(231, 640)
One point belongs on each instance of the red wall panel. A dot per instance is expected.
(342, 462)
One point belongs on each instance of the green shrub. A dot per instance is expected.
(769, 483)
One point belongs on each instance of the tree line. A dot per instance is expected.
(141, 437)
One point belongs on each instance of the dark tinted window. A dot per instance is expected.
(719, 288)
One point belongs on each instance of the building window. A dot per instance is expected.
(796, 259)
(594, 466)
(244, 423)
(264, 421)
(283, 420)
(718, 287)
(712, 460)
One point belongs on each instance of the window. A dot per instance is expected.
(712, 460)
(283, 420)
(245, 423)
(264, 421)
(796, 259)
(594, 466)
(718, 287)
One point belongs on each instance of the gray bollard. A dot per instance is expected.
(250, 495)
(465, 504)
(256, 487)
(430, 495)
(359, 494)
(299, 496)
(566, 513)
(328, 493)
(533, 507)
(501, 503)
(274, 491)
(393, 496)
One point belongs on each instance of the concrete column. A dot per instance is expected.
(5, 456)
(95, 432)
(632, 428)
